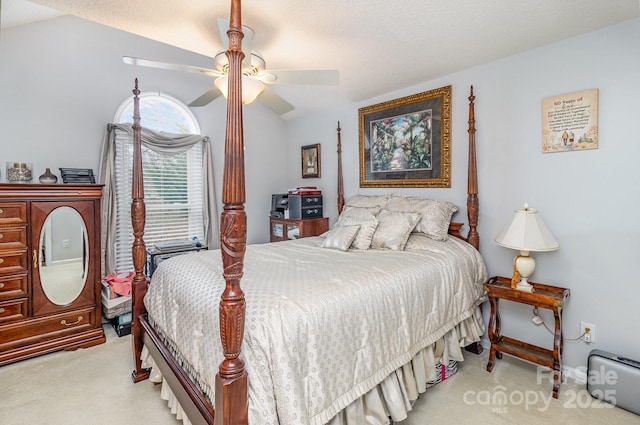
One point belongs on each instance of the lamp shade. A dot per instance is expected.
(251, 88)
(526, 231)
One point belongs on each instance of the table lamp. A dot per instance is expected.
(526, 232)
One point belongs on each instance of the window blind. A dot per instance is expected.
(173, 195)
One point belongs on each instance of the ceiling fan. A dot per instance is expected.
(255, 76)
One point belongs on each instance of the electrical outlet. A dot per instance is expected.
(590, 336)
(66, 243)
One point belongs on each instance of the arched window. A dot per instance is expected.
(159, 112)
(176, 200)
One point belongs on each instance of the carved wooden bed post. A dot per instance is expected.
(340, 184)
(473, 206)
(138, 214)
(231, 401)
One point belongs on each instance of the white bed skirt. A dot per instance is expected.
(392, 399)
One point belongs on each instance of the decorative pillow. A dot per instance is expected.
(349, 211)
(394, 229)
(367, 201)
(341, 237)
(435, 215)
(368, 225)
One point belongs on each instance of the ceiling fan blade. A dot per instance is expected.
(300, 76)
(170, 66)
(223, 27)
(274, 101)
(206, 98)
(247, 40)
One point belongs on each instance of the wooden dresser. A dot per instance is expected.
(49, 269)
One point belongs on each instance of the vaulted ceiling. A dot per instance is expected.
(377, 45)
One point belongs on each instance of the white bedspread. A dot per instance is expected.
(322, 327)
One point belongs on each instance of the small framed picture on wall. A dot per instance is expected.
(311, 161)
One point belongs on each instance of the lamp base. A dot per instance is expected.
(525, 265)
(525, 286)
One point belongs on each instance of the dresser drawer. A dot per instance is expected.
(13, 213)
(307, 213)
(13, 287)
(304, 201)
(13, 238)
(13, 262)
(10, 311)
(13, 335)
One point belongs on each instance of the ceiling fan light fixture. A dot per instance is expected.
(253, 66)
(251, 88)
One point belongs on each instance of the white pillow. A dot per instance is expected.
(341, 237)
(435, 215)
(394, 229)
(367, 201)
(349, 211)
(368, 225)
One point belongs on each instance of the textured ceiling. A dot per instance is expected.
(395, 44)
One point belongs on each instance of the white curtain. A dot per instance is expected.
(161, 142)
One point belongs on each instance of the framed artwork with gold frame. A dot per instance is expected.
(406, 142)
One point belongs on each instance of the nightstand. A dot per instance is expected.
(544, 296)
(282, 229)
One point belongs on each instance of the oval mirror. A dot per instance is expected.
(63, 255)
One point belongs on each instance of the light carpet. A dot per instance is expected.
(93, 386)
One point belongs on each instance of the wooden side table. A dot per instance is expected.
(283, 229)
(544, 296)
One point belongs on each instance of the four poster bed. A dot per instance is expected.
(329, 334)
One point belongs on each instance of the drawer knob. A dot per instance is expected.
(1, 211)
(1, 285)
(1, 236)
(2, 310)
(1, 260)
(64, 322)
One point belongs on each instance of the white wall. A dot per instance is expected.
(588, 199)
(62, 80)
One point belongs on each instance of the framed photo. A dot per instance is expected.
(311, 161)
(570, 122)
(406, 142)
